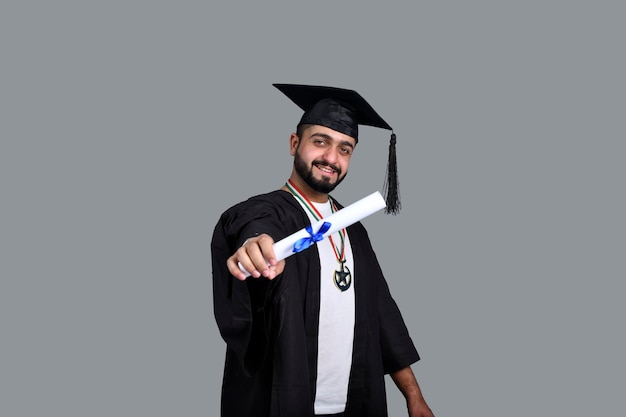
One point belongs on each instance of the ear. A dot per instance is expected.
(294, 140)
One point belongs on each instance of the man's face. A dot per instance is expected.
(322, 157)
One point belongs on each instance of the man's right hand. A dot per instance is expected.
(257, 257)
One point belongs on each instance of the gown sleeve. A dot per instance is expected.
(397, 348)
(239, 305)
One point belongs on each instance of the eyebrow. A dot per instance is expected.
(328, 137)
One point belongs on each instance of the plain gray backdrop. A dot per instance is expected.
(127, 127)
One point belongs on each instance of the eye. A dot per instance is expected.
(346, 150)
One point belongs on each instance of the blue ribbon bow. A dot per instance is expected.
(305, 242)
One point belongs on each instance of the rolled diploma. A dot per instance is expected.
(345, 217)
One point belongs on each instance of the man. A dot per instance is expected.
(313, 334)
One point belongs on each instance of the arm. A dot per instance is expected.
(407, 384)
(239, 303)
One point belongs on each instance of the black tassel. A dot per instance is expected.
(391, 187)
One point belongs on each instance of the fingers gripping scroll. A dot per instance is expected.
(256, 256)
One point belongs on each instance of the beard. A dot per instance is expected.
(322, 185)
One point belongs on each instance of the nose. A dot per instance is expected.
(332, 155)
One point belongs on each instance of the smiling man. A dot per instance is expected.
(315, 334)
(321, 159)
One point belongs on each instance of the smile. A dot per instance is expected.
(326, 169)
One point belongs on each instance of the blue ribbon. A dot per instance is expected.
(305, 242)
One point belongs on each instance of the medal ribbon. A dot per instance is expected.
(339, 254)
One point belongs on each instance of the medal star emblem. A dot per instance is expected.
(343, 277)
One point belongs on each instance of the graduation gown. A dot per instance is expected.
(270, 327)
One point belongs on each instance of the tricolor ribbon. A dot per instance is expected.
(305, 242)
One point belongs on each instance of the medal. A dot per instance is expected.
(342, 276)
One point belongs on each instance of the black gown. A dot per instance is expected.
(270, 327)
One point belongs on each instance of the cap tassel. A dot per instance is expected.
(390, 188)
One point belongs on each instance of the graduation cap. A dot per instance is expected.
(344, 110)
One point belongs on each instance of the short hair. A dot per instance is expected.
(301, 128)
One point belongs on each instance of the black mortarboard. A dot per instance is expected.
(344, 110)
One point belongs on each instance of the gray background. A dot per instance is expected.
(128, 127)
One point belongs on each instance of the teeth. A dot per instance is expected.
(326, 169)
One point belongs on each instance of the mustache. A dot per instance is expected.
(324, 163)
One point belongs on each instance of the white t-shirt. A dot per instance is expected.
(336, 322)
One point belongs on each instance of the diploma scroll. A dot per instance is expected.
(345, 217)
